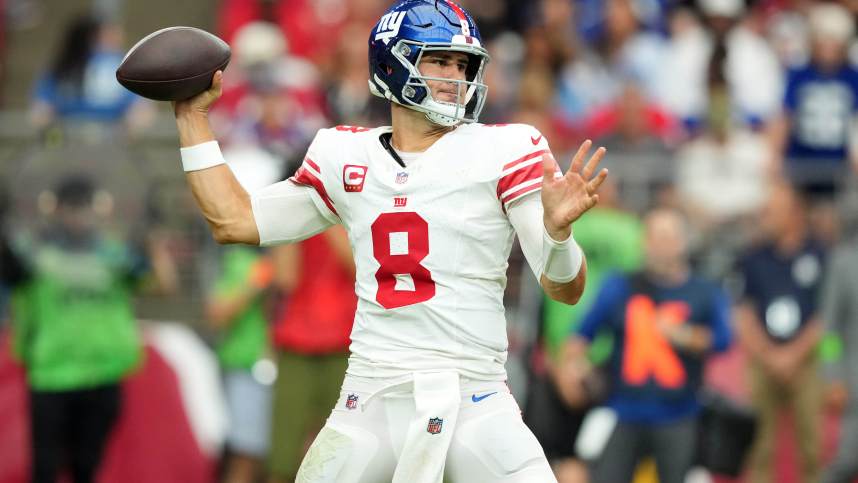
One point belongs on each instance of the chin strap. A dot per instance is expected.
(384, 139)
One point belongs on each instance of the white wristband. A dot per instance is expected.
(201, 156)
(561, 260)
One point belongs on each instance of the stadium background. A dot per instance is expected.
(554, 66)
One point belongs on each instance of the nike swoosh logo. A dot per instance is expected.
(534, 140)
(477, 399)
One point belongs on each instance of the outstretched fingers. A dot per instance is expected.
(592, 201)
(593, 184)
(593, 163)
(578, 159)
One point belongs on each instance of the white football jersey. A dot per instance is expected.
(430, 240)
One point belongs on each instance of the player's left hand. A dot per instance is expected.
(567, 197)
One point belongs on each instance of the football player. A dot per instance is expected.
(431, 205)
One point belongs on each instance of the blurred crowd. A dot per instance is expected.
(722, 266)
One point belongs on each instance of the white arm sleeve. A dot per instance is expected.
(286, 212)
(559, 261)
(525, 215)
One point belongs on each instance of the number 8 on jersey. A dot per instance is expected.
(400, 241)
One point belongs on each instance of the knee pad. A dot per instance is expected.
(339, 454)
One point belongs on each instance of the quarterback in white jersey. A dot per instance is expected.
(431, 205)
(431, 241)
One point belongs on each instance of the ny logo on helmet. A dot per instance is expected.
(388, 26)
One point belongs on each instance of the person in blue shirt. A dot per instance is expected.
(811, 139)
(665, 321)
(81, 80)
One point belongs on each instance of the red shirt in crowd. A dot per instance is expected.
(317, 317)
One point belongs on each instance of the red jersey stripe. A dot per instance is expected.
(527, 173)
(526, 158)
(519, 193)
(306, 178)
(313, 165)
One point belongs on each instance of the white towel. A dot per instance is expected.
(596, 430)
(437, 398)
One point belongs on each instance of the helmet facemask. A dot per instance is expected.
(416, 94)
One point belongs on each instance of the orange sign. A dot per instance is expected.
(647, 352)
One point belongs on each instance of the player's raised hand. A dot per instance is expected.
(192, 114)
(565, 198)
(201, 102)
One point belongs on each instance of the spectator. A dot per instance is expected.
(534, 104)
(612, 240)
(812, 138)
(263, 63)
(590, 15)
(665, 321)
(349, 101)
(74, 331)
(786, 25)
(727, 49)
(554, 27)
(721, 179)
(721, 173)
(631, 51)
(625, 51)
(236, 309)
(311, 335)
(639, 135)
(81, 82)
(840, 315)
(272, 100)
(779, 329)
(632, 125)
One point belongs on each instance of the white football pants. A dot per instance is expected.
(366, 433)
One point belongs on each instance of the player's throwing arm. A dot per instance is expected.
(184, 65)
(223, 201)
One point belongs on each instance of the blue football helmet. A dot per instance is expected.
(400, 39)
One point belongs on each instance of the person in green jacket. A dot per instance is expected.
(236, 309)
(74, 330)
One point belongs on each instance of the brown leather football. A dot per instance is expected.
(173, 64)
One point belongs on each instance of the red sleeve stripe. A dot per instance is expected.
(519, 192)
(306, 177)
(523, 165)
(513, 181)
(313, 165)
(526, 158)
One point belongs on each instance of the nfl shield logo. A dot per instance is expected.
(351, 401)
(401, 178)
(434, 425)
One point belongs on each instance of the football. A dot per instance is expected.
(173, 64)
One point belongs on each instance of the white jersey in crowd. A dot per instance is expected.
(430, 240)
